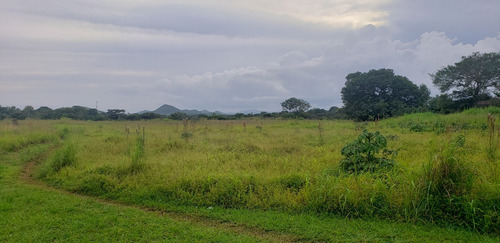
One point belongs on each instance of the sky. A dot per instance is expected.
(226, 55)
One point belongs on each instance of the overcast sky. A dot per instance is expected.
(226, 55)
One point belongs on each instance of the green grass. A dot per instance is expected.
(274, 176)
(289, 165)
(30, 213)
(34, 213)
(313, 227)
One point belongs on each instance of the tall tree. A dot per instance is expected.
(28, 111)
(381, 93)
(115, 114)
(474, 78)
(295, 105)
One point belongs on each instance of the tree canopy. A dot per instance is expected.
(381, 93)
(295, 105)
(475, 78)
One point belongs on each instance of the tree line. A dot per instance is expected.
(75, 113)
(472, 82)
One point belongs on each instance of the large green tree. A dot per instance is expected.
(295, 105)
(381, 93)
(475, 78)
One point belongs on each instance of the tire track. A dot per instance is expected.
(27, 177)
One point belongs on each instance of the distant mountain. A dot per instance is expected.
(247, 112)
(167, 110)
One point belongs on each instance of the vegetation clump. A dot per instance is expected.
(137, 153)
(64, 157)
(361, 155)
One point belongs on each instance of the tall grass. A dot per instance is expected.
(441, 175)
(25, 133)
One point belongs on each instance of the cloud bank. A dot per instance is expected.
(224, 56)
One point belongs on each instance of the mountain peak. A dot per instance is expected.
(167, 110)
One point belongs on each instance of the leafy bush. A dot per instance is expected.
(361, 155)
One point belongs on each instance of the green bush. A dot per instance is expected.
(361, 155)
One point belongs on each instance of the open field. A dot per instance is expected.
(278, 176)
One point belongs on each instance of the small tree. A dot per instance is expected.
(361, 155)
(295, 105)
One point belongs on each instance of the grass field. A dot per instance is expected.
(252, 180)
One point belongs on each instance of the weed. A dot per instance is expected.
(292, 182)
(361, 154)
(321, 132)
(136, 155)
(63, 158)
(447, 193)
(492, 139)
(186, 136)
(459, 141)
(63, 132)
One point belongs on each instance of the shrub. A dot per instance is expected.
(361, 154)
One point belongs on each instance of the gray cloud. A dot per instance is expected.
(227, 56)
(469, 21)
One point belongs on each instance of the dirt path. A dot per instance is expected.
(201, 221)
(27, 172)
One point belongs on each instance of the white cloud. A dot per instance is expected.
(320, 79)
(336, 13)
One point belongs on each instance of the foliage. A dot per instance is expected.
(475, 78)
(178, 116)
(444, 104)
(361, 154)
(381, 94)
(75, 113)
(295, 105)
(115, 114)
